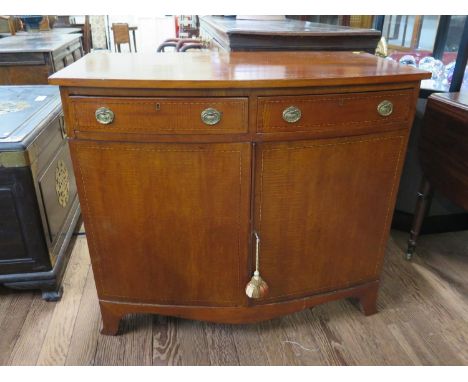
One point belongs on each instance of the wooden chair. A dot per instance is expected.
(170, 42)
(181, 44)
(121, 35)
(188, 43)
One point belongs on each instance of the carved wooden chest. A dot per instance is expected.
(38, 203)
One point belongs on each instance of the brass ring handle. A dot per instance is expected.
(104, 115)
(292, 114)
(210, 116)
(385, 108)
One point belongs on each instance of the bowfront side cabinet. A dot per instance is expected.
(191, 179)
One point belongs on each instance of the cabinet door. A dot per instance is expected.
(23, 248)
(56, 209)
(322, 210)
(166, 223)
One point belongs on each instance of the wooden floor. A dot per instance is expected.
(423, 319)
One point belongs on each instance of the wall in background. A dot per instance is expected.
(98, 31)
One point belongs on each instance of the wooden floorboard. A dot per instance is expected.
(422, 320)
(57, 340)
(179, 342)
(17, 310)
(273, 340)
(166, 346)
(83, 345)
(139, 340)
(249, 346)
(31, 337)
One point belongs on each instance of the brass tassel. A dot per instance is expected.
(256, 287)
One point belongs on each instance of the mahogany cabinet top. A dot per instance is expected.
(232, 70)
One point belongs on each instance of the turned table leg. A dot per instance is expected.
(110, 321)
(422, 206)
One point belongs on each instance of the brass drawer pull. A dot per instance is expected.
(104, 115)
(385, 108)
(210, 116)
(292, 114)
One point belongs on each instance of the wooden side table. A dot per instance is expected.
(443, 150)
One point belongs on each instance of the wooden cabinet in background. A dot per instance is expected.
(39, 205)
(237, 35)
(29, 59)
(180, 163)
(443, 154)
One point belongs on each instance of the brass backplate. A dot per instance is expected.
(104, 115)
(292, 114)
(210, 116)
(385, 108)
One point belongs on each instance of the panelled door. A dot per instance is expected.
(322, 211)
(168, 223)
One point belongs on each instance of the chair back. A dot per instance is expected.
(121, 33)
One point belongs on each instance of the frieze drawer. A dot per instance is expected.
(161, 115)
(331, 112)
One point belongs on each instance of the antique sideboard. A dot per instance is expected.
(231, 34)
(29, 59)
(236, 187)
(39, 205)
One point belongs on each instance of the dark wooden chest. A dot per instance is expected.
(31, 59)
(227, 33)
(38, 203)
